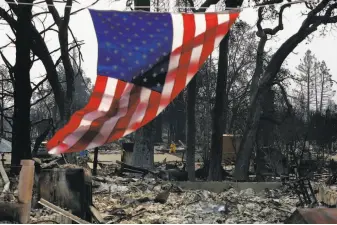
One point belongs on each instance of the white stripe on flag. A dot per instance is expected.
(222, 18)
(200, 27)
(139, 114)
(110, 124)
(178, 30)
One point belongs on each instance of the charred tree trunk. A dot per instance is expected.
(215, 167)
(308, 95)
(159, 128)
(143, 152)
(246, 147)
(268, 112)
(191, 130)
(180, 115)
(266, 129)
(310, 25)
(219, 117)
(225, 112)
(21, 148)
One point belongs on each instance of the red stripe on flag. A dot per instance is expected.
(75, 120)
(209, 37)
(152, 108)
(232, 18)
(97, 124)
(186, 51)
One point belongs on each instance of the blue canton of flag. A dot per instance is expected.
(134, 46)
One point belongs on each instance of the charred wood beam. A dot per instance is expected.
(134, 168)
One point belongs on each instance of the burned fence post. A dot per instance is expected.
(94, 171)
(20, 212)
(25, 189)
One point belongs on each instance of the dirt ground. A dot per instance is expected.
(109, 158)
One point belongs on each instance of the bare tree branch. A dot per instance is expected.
(36, 86)
(279, 27)
(39, 121)
(326, 18)
(79, 10)
(42, 98)
(9, 66)
(40, 49)
(63, 25)
(270, 31)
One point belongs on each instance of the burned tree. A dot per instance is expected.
(22, 89)
(29, 39)
(219, 117)
(321, 14)
(218, 108)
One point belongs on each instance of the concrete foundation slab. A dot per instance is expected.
(218, 187)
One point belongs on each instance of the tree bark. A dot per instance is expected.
(159, 128)
(191, 130)
(179, 111)
(316, 84)
(143, 152)
(21, 148)
(215, 167)
(308, 94)
(266, 129)
(246, 147)
(322, 91)
(267, 126)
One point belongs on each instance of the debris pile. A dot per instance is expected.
(131, 200)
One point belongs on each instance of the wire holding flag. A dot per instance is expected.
(145, 60)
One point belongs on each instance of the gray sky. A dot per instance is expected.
(323, 47)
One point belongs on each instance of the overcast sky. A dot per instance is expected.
(323, 47)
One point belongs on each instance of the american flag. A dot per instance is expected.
(145, 60)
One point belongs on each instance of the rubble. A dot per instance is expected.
(146, 198)
(121, 204)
